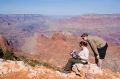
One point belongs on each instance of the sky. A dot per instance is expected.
(59, 7)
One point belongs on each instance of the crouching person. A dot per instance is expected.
(83, 56)
(78, 58)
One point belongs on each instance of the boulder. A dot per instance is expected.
(90, 68)
(94, 69)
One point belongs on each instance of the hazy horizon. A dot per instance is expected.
(64, 15)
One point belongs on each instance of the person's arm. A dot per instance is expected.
(93, 47)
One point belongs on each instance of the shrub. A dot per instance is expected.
(20, 58)
(8, 55)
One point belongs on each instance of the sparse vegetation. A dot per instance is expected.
(8, 55)
(38, 63)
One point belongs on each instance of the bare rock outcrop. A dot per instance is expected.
(19, 69)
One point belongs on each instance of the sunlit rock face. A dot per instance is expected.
(19, 69)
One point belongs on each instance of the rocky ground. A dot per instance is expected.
(20, 70)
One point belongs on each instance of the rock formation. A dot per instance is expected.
(18, 70)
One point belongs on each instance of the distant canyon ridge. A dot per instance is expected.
(17, 27)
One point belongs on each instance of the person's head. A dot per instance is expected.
(84, 36)
(83, 44)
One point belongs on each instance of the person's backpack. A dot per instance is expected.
(74, 54)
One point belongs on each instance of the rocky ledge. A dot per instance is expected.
(19, 70)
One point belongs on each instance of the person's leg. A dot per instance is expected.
(100, 63)
(70, 63)
(102, 53)
(68, 66)
(96, 60)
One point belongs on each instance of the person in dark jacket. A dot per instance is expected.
(98, 45)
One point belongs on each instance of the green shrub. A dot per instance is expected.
(20, 58)
(8, 55)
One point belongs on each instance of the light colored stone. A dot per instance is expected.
(77, 68)
(1, 60)
(5, 70)
(94, 69)
(89, 71)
